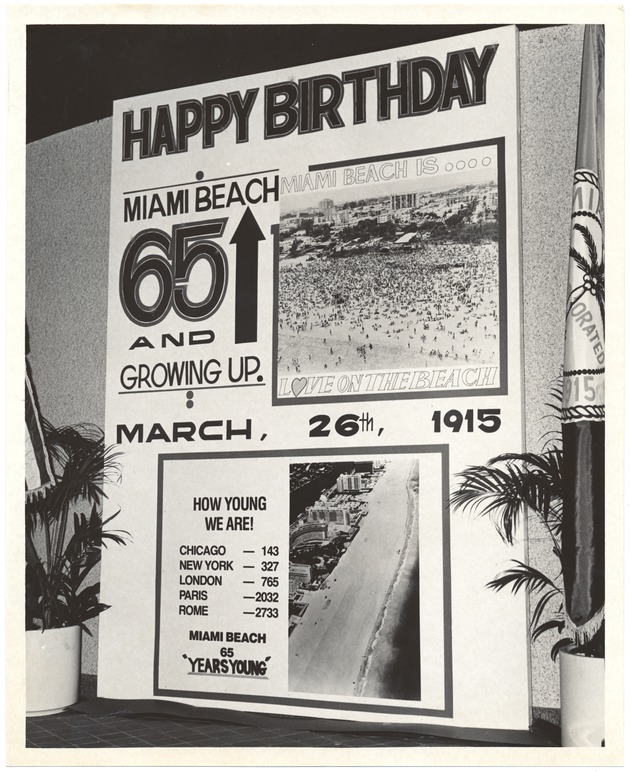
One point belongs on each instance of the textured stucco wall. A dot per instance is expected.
(67, 239)
(550, 62)
(68, 178)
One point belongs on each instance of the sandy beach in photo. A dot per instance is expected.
(362, 312)
(329, 648)
(391, 665)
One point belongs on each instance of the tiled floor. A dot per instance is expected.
(74, 729)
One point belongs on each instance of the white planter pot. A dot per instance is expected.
(581, 699)
(53, 670)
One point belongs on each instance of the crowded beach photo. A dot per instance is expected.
(402, 275)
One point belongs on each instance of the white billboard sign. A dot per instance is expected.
(314, 325)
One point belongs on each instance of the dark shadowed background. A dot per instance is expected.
(75, 71)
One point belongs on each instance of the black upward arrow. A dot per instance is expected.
(246, 237)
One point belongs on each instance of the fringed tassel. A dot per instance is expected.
(584, 633)
(39, 495)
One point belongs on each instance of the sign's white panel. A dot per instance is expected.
(314, 325)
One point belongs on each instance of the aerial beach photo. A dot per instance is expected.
(354, 625)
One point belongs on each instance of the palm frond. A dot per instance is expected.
(556, 389)
(590, 245)
(71, 522)
(556, 395)
(551, 624)
(600, 299)
(491, 491)
(551, 440)
(541, 605)
(579, 260)
(555, 649)
(522, 577)
(509, 483)
(506, 487)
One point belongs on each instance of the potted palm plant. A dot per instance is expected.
(507, 488)
(64, 536)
